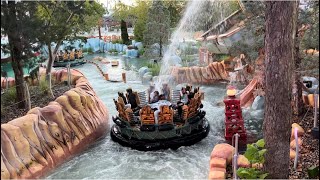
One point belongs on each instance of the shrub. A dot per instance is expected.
(221, 57)
(255, 154)
(141, 52)
(8, 96)
(154, 68)
(112, 50)
(115, 41)
(44, 87)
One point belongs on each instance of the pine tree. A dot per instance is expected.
(158, 26)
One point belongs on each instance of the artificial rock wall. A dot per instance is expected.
(200, 75)
(46, 137)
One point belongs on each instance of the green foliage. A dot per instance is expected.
(250, 173)
(141, 52)
(252, 35)
(212, 13)
(310, 65)
(119, 41)
(313, 172)
(112, 50)
(221, 57)
(63, 19)
(44, 87)
(158, 26)
(122, 11)
(88, 50)
(154, 69)
(9, 96)
(310, 16)
(176, 10)
(255, 154)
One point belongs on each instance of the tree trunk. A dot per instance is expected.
(279, 53)
(52, 56)
(99, 29)
(16, 55)
(298, 105)
(160, 44)
(124, 32)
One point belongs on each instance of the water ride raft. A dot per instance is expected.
(138, 129)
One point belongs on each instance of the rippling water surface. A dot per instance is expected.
(109, 160)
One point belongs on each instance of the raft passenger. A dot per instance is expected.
(132, 99)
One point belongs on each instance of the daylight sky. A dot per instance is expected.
(110, 3)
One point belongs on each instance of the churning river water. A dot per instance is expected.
(106, 159)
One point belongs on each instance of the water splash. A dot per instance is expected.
(197, 14)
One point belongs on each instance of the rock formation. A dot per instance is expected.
(38, 142)
(200, 75)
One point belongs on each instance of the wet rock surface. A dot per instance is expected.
(44, 138)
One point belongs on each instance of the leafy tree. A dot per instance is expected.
(158, 26)
(310, 16)
(63, 19)
(176, 10)
(253, 32)
(141, 12)
(18, 22)
(123, 13)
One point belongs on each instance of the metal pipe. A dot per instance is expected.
(297, 148)
(235, 156)
(315, 123)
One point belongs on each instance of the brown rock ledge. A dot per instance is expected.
(44, 138)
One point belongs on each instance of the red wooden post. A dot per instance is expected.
(233, 122)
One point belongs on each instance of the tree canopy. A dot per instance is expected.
(158, 26)
(64, 19)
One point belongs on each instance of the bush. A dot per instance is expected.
(9, 95)
(255, 154)
(112, 50)
(221, 57)
(141, 52)
(119, 41)
(88, 50)
(154, 69)
(44, 87)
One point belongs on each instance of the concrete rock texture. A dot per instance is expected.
(200, 75)
(46, 137)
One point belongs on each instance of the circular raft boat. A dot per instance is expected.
(138, 130)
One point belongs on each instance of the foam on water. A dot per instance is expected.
(197, 11)
(109, 160)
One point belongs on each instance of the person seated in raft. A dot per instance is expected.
(60, 55)
(71, 56)
(155, 97)
(150, 92)
(132, 99)
(188, 89)
(162, 97)
(66, 55)
(166, 91)
(76, 54)
(80, 54)
(127, 105)
(179, 108)
(183, 95)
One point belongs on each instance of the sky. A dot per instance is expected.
(111, 3)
